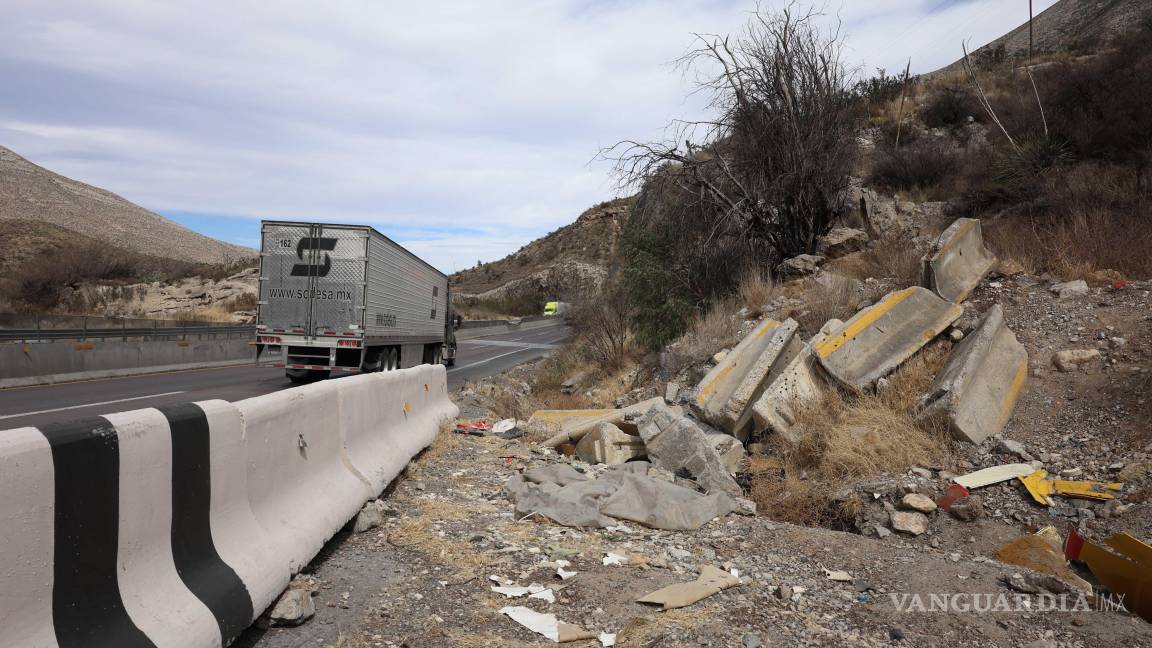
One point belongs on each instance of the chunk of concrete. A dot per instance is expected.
(608, 444)
(958, 260)
(294, 607)
(676, 443)
(977, 389)
(881, 337)
(671, 392)
(797, 384)
(730, 451)
(1072, 359)
(800, 265)
(725, 396)
(1068, 289)
(571, 425)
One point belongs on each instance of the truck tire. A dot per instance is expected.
(301, 376)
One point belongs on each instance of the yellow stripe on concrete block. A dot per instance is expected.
(862, 321)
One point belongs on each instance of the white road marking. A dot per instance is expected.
(486, 361)
(72, 407)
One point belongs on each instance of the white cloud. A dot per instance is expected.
(478, 115)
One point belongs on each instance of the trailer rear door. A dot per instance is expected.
(312, 277)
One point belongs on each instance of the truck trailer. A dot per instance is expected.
(346, 298)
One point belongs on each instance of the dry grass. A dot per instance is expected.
(836, 298)
(420, 533)
(848, 438)
(644, 632)
(715, 329)
(757, 290)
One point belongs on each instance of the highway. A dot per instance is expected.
(40, 405)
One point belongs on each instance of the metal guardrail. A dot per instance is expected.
(41, 334)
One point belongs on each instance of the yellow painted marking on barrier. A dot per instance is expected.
(711, 385)
(955, 239)
(85, 346)
(1013, 393)
(556, 415)
(182, 343)
(407, 407)
(425, 387)
(862, 321)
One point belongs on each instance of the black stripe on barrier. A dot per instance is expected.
(87, 610)
(205, 574)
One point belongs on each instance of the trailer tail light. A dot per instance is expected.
(355, 344)
(267, 339)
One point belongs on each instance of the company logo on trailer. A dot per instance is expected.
(308, 244)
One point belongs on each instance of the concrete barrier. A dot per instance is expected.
(569, 426)
(881, 337)
(958, 260)
(178, 526)
(743, 372)
(977, 389)
(484, 328)
(797, 384)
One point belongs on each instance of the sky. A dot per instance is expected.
(462, 129)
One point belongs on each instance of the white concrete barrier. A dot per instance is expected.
(178, 526)
(958, 260)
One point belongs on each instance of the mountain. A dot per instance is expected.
(1075, 26)
(570, 259)
(29, 192)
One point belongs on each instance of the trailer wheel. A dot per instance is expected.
(393, 361)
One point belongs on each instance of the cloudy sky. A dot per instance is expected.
(462, 129)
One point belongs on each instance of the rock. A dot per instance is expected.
(751, 640)
(293, 608)
(840, 241)
(573, 383)
(1134, 471)
(675, 443)
(369, 517)
(967, 509)
(1007, 446)
(955, 335)
(730, 450)
(800, 265)
(1117, 343)
(719, 356)
(918, 502)
(784, 592)
(882, 532)
(1072, 359)
(1071, 289)
(608, 444)
(909, 522)
(671, 392)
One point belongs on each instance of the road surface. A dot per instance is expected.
(45, 404)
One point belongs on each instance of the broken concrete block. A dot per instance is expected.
(730, 450)
(977, 389)
(295, 606)
(675, 443)
(881, 337)
(608, 444)
(671, 392)
(958, 260)
(840, 241)
(797, 384)
(1073, 359)
(800, 265)
(724, 397)
(369, 517)
(1071, 289)
(571, 425)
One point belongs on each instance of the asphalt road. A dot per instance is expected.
(40, 405)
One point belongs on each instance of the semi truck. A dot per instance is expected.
(346, 298)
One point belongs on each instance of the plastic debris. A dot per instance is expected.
(952, 494)
(561, 572)
(994, 475)
(712, 580)
(838, 575)
(1042, 489)
(547, 625)
(535, 591)
(615, 559)
(607, 639)
(1123, 565)
(473, 428)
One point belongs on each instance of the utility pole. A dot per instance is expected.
(1029, 31)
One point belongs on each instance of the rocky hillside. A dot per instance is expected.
(572, 258)
(1067, 26)
(29, 192)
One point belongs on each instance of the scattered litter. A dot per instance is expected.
(994, 475)
(607, 639)
(1123, 565)
(561, 572)
(1042, 489)
(951, 495)
(712, 580)
(615, 559)
(838, 575)
(535, 590)
(547, 625)
(473, 428)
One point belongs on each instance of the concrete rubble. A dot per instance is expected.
(958, 260)
(800, 265)
(841, 241)
(571, 425)
(881, 337)
(725, 395)
(977, 389)
(608, 444)
(677, 444)
(797, 384)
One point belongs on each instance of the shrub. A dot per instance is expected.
(602, 322)
(919, 165)
(951, 106)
